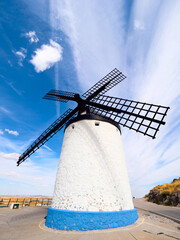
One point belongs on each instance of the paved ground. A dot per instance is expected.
(170, 212)
(28, 223)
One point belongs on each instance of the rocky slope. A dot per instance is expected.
(167, 194)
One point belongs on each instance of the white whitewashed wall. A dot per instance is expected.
(92, 174)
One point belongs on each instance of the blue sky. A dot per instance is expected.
(70, 45)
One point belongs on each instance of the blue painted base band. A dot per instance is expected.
(81, 220)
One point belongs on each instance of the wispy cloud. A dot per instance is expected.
(46, 56)
(10, 175)
(1, 132)
(159, 160)
(48, 148)
(30, 177)
(21, 55)
(138, 25)
(4, 110)
(11, 85)
(32, 37)
(29, 174)
(15, 133)
(95, 39)
(143, 42)
(10, 155)
(1, 76)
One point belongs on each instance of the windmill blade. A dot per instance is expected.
(47, 134)
(105, 84)
(142, 117)
(58, 95)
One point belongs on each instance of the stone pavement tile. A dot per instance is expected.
(56, 236)
(4, 233)
(121, 235)
(149, 236)
(89, 235)
(124, 235)
(156, 228)
(24, 224)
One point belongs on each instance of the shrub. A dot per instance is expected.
(165, 193)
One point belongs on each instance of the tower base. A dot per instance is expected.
(83, 220)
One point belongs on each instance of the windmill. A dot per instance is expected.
(92, 189)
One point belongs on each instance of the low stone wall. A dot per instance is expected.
(83, 220)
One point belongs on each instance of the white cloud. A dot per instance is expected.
(21, 55)
(14, 156)
(46, 56)
(32, 36)
(156, 80)
(38, 179)
(28, 178)
(150, 58)
(1, 132)
(138, 25)
(15, 133)
(10, 174)
(95, 39)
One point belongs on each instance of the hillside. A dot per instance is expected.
(167, 194)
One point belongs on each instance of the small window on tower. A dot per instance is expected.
(97, 123)
(73, 126)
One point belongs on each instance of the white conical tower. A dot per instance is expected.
(92, 189)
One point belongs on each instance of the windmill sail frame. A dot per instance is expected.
(105, 84)
(142, 117)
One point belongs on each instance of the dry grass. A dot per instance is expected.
(171, 187)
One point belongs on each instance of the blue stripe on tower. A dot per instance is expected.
(83, 221)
